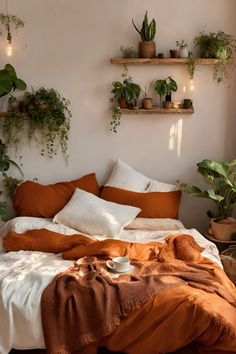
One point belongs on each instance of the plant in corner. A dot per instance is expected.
(49, 120)
(164, 88)
(218, 46)
(147, 47)
(125, 94)
(221, 178)
(5, 163)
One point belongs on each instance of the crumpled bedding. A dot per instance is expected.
(25, 274)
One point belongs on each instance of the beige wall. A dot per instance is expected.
(67, 44)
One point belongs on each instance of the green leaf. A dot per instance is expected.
(10, 68)
(20, 84)
(214, 196)
(5, 86)
(217, 169)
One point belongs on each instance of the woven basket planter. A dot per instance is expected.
(228, 258)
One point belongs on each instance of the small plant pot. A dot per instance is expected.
(13, 104)
(122, 102)
(183, 52)
(222, 228)
(173, 53)
(147, 49)
(147, 103)
(30, 106)
(168, 104)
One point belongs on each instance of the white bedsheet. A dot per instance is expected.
(25, 274)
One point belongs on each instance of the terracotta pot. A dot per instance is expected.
(13, 104)
(167, 104)
(173, 53)
(222, 228)
(122, 102)
(147, 103)
(147, 49)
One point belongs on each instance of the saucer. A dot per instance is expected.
(131, 267)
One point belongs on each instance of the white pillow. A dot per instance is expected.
(156, 186)
(94, 216)
(153, 224)
(125, 177)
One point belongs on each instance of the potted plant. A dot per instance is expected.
(183, 49)
(9, 81)
(147, 101)
(125, 94)
(221, 177)
(128, 52)
(147, 47)
(219, 46)
(49, 116)
(164, 88)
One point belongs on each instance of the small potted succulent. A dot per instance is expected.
(183, 49)
(165, 88)
(147, 47)
(147, 101)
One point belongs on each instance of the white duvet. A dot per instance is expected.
(25, 274)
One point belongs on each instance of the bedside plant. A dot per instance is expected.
(147, 47)
(221, 177)
(125, 94)
(219, 46)
(164, 88)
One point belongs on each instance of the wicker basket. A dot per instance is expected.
(228, 258)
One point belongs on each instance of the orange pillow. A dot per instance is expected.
(153, 204)
(35, 199)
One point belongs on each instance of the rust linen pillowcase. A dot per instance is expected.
(152, 204)
(39, 200)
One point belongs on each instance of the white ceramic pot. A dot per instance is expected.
(183, 53)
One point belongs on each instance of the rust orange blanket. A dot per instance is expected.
(199, 307)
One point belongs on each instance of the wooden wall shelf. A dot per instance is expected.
(9, 114)
(164, 61)
(157, 110)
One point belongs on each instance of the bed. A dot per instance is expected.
(25, 274)
(53, 272)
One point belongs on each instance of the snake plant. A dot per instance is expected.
(147, 31)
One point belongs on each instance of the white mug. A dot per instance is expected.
(121, 264)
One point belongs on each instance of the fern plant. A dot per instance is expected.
(147, 31)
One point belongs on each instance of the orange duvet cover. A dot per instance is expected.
(169, 320)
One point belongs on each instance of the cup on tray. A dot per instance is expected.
(120, 264)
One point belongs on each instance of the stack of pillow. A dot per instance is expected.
(81, 205)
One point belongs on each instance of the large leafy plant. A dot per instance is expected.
(9, 81)
(5, 163)
(147, 31)
(221, 178)
(165, 87)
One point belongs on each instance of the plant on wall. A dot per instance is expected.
(125, 94)
(165, 87)
(8, 181)
(191, 66)
(128, 52)
(49, 117)
(9, 81)
(9, 22)
(219, 46)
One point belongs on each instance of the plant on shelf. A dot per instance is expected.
(191, 65)
(165, 88)
(147, 47)
(125, 94)
(5, 163)
(49, 117)
(183, 49)
(219, 46)
(128, 52)
(147, 102)
(9, 81)
(221, 178)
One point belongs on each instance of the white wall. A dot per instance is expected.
(67, 44)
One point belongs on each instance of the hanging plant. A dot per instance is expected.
(12, 129)
(11, 20)
(49, 120)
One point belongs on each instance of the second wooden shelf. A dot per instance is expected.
(157, 110)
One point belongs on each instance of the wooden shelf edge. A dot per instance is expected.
(163, 61)
(9, 114)
(157, 110)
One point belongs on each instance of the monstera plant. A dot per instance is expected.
(221, 178)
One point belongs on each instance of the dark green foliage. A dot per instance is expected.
(147, 31)
(165, 87)
(9, 81)
(221, 176)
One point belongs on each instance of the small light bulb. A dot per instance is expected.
(9, 49)
(191, 85)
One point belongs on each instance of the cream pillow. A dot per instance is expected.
(125, 177)
(156, 186)
(94, 216)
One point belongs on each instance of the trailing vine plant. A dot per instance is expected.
(191, 65)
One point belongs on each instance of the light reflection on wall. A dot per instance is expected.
(175, 137)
